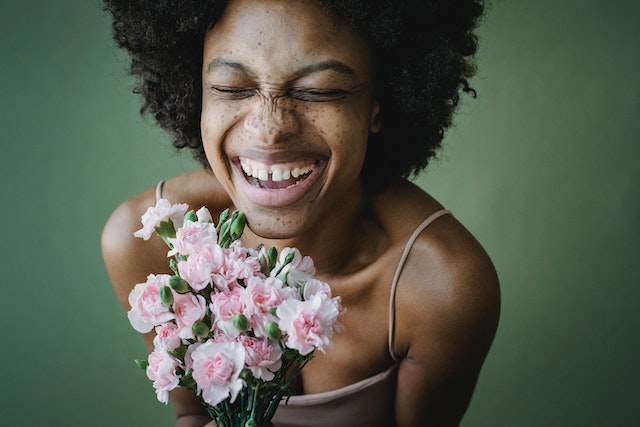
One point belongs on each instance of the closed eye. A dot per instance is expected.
(232, 92)
(317, 95)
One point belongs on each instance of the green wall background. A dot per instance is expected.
(542, 167)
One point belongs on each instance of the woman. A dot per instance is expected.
(308, 116)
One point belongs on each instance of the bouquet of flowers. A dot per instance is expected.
(234, 324)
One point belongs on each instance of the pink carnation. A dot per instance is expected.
(223, 283)
(308, 324)
(192, 237)
(147, 310)
(167, 337)
(236, 266)
(162, 371)
(262, 358)
(315, 287)
(188, 309)
(200, 267)
(216, 370)
(260, 296)
(162, 211)
(224, 305)
(188, 360)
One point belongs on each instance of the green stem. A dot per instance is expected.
(254, 400)
(286, 385)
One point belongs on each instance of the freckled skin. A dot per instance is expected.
(277, 121)
(447, 302)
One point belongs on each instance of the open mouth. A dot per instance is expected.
(275, 176)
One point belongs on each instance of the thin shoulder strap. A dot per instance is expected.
(159, 190)
(396, 276)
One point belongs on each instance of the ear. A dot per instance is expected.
(376, 121)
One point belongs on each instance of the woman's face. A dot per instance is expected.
(287, 109)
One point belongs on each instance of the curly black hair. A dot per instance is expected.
(423, 54)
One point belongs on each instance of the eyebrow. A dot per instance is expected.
(218, 63)
(328, 65)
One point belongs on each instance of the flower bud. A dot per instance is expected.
(166, 296)
(251, 423)
(236, 228)
(289, 258)
(224, 215)
(200, 329)
(240, 322)
(179, 285)
(272, 253)
(223, 235)
(272, 331)
(246, 374)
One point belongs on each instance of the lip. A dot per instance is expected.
(281, 197)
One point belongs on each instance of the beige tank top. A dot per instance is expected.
(367, 403)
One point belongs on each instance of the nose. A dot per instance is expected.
(271, 118)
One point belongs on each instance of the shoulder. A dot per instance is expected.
(195, 188)
(129, 259)
(446, 314)
(448, 282)
(450, 287)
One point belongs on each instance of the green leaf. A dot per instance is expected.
(166, 230)
(173, 265)
(142, 363)
(178, 352)
(191, 216)
(187, 380)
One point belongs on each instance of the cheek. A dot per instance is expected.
(343, 129)
(216, 121)
(330, 124)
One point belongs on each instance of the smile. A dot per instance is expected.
(275, 176)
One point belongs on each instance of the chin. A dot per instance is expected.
(273, 226)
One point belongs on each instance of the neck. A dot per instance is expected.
(333, 242)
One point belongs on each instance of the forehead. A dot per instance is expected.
(280, 35)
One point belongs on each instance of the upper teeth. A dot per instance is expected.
(280, 172)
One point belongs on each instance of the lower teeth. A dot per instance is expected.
(262, 184)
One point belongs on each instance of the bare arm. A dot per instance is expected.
(129, 261)
(446, 324)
